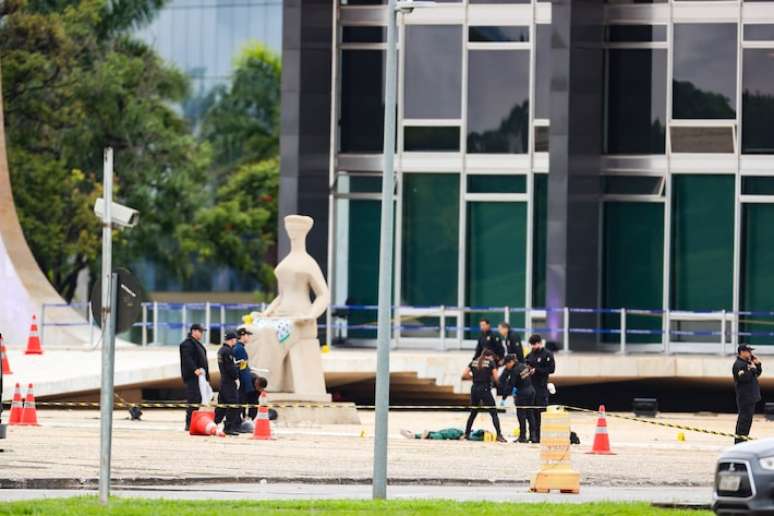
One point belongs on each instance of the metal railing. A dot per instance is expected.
(455, 327)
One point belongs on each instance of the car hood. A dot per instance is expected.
(757, 448)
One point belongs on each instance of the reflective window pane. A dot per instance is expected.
(704, 85)
(362, 101)
(713, 140)
(757, 185)
(757, 282)
(431, 139)
(480, 34)
(498, 1)
(759, 32)
(498, 103)
(433, 71)
(542, 138)
(632, 185)
(543, 71)
(636, 33)
(363, 34)
(636, 110)
(758, 101)
(496, 184)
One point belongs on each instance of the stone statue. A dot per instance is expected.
(284, 339)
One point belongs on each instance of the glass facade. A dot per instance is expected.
(686, 170)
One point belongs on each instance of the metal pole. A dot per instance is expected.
(723, 333)
(183, 319)
(385, 266)
(108, 319)
(623, 330)
(443, 327)
(507, 314)
(144, 325)
(207, 322)
(156, 338)
(566, 313)
(91, 326)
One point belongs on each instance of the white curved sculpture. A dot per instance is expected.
(284, 340)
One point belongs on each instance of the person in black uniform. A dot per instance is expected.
(483, 371)
(542, 362)
(488, 340)
(515, 379)
(510, 341)
(229, 393)
(247, 392)
(746, 370)
(193, 363)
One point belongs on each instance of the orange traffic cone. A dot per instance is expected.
(16, 407)
(33, 342)
(601, 439)
(4, 358)
(29, 416)
(262, 426)
(203, 423)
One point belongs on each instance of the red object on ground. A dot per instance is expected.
(29, 416)
(262, 425)
(16, 407)
(4, 358)
(33, 342)
(203, 423)
(601, 439)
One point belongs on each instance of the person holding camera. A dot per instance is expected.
(746, 370)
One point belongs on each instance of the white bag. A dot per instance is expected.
(205, 389)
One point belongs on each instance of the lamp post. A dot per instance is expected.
(385, 249)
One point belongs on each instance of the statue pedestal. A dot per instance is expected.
(312, 408)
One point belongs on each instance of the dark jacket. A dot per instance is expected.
(245, 377)
(491, 341)
(544, 364)
(193, 356)
(746, 374)
(512, 345)
(517, 377)
(482, 375)
(229, 372)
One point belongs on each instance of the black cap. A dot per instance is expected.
(230, 335)
(197, 326)
(243, 331)
(744, 347)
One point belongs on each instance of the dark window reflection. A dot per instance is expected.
(498, 34)
(496, 184)
(433, 71)
(632, 185)
(758, 101)
(758, 185)
(498, 1)
(636, 1)
(636, 33)
(362, 101)
(704, 85)
(363, 2)
(498, 103)
(431, 139)
(543, 71)
(363, 34)
(542, 137)
(636, 110)
(759, 32)
(713, 140)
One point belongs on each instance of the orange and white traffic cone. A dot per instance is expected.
(33, 342)
(4, 358)
(16, 407)
(601, 439)
(262, 425)
(29, 416)
(203, 423)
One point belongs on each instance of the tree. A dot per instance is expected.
(75, 82)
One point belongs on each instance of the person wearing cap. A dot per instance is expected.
(247, 392)
(746, 370)
(193, 363)
(229, 390)
(543, 364)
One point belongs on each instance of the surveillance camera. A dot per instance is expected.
(120, 215)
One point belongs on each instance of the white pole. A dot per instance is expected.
(385, 265)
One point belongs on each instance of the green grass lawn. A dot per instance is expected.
(137, 506)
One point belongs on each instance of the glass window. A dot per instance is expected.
(362, 263)
(365, 184)
(757, 185)
(431, 139)
(636, 110)
(430, 239)
(636, 33)
(632, 185)
(363, 34)
(498, 34)
(757, 288)
(702, 242)
(759, 32)
(704, 85)
(498, 103)
(703, 139)
(496, 257)
(362, 101)
(539, 240)
(496, 184)
(542, 138)
(758, 101)
(543, 71)
(433, 71)
(633, 265)
(498, 1)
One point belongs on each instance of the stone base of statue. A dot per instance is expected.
(311, 410)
